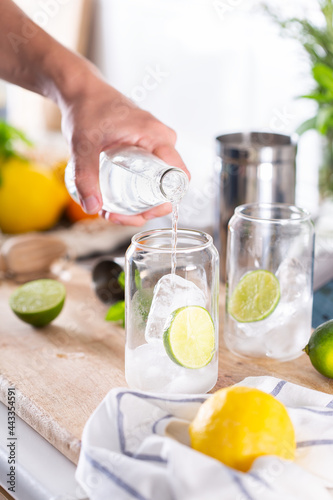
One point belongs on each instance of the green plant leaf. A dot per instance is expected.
(116, 312)
(9, 138)
(318, 97)
(317, 39)
(324, 121)
(327, 9)
(324, 76)
(137, 279)
(307, 125)
(121, 279)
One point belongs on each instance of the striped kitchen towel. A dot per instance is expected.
(135, 446)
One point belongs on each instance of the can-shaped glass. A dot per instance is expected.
(269, 288)
(171, 319)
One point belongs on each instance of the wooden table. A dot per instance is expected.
(62, 372)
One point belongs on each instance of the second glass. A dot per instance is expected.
(279, 240)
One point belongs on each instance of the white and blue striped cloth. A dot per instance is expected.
(127, 452)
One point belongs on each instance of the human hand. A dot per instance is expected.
(97, 118)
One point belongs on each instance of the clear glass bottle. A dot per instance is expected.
(133, 180)
(153, 294)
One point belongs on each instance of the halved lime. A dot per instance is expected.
(255, 297)
(189, 337)
(38, 302)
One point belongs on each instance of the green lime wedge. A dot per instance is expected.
(189, 337)
(38, 302)
(255, 297)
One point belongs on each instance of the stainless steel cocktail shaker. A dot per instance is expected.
(254, 167)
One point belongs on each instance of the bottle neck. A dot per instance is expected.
(173, 184)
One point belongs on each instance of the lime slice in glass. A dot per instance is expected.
(38, 302)
(189, 337)
(255, 297)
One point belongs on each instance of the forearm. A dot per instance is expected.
(34, 60)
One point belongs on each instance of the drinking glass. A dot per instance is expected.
(278, 238)
(153, 293)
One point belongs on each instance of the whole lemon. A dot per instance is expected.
(31, 197)
(238, 424)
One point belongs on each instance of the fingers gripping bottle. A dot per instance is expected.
(133, 180)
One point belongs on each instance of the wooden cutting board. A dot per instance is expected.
(62, 372)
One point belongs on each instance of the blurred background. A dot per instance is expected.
(217, 66)
(224, 67)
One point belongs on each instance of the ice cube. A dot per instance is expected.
(279, 317)
(287, 342)
(293, 279)
(170, 293)
(149, 368)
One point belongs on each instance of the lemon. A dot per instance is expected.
(38, 302)
(31, 197)
(320, 349)
(255, 297)
(238, 424)
(189, 337)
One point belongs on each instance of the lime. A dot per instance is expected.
(255, 297)
(189, 337)
(38, 302)
(320, 349)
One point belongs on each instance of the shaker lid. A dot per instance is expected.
(257, 147)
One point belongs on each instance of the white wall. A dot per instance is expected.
(67, 21)
(223, 67)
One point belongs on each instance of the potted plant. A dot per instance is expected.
(317, 41)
